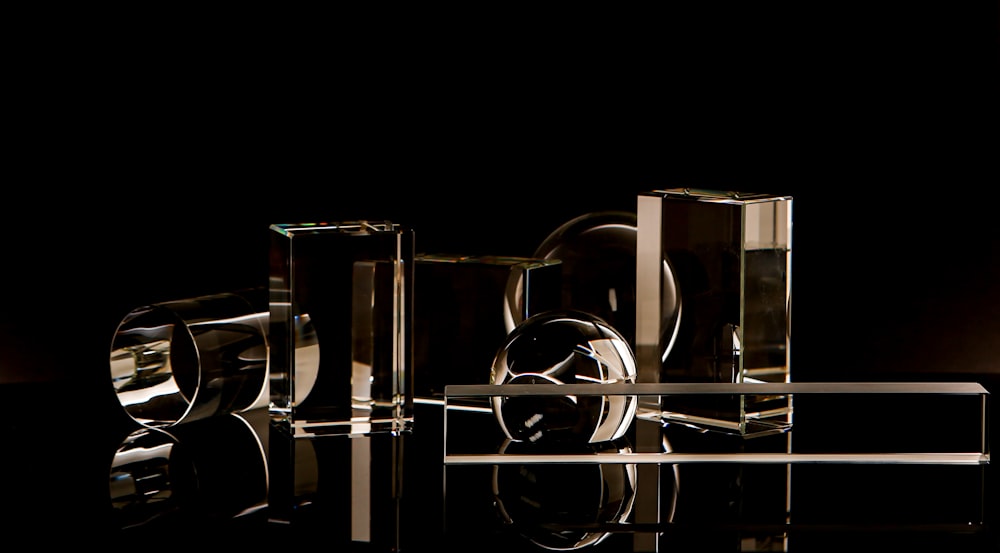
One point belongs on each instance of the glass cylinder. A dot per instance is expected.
(190, 359)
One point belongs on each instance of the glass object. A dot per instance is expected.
(888, 437)
(564, 347)
(597, 253)
(464, 308)
(190, 359)
(212, 469)
(340, 312)
(727, 321)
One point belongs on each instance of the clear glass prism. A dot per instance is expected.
(340, 327)
(724, 314)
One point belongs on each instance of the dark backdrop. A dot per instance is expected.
(145, 166)
(149, 170)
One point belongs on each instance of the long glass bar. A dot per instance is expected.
(878, 422)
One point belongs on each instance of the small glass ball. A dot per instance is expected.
(564, 347)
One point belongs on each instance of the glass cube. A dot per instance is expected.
(464, 308)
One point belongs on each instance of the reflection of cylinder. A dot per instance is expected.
(190, 359)
(212, 469)
(553, 505)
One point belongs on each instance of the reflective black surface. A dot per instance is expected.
(207, 480)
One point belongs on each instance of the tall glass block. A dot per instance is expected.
(725, 315)
(464, 308)
(340, 327)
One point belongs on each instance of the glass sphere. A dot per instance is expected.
(598, 252)
(564, 347)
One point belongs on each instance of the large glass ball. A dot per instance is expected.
(598, 254)
(564, 347)
(597, 251)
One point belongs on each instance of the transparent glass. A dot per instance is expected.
(726, 317)
(341, 307)
(190, 359)
(887, 437)
(597, 253)
(464, 307)
(216, 467)
(564, 347)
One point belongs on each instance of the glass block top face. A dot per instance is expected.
(713, 196)
(348, 227)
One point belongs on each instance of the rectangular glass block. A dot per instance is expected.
(464, 307)
(341, 309)
(713, 288)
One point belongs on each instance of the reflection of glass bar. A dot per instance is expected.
(767, 458)
(965, 443)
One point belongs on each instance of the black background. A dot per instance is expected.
(146, 165)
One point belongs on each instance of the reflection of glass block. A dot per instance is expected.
(464, 307)
(340, 314)
(347, 489)
(728, 319)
